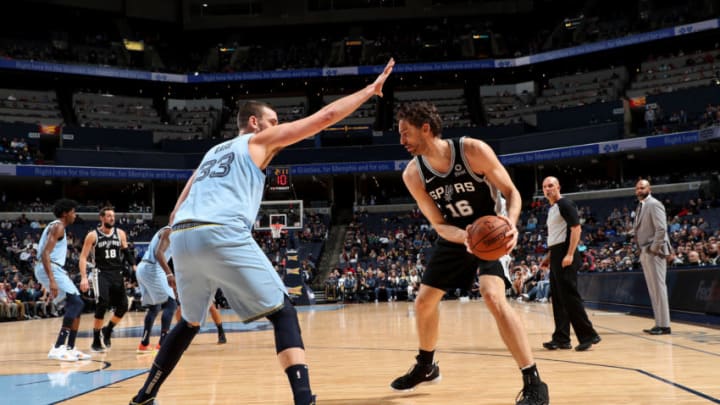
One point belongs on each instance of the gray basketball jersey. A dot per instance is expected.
(227, 189)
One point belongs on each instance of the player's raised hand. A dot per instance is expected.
(380, 81)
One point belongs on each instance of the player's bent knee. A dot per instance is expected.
(287, 328)
(100, 308)
(121, 307)
(169, 305)
(73, 306)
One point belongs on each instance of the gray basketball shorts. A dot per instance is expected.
(153, 282)
(212, 256)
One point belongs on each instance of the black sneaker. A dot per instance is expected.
(533, 394)
(149, 401)
(418, 374)
(553, 345)
(97, 347)
(222, 339)
(106, 336)
(586, 345)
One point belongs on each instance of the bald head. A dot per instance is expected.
(551, 189)
(642, 189)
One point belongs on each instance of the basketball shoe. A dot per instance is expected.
(533, 394)
(78, 354)
(97, 347)
(150, 401)
(144, 349)
(61, 353)
(418, 374)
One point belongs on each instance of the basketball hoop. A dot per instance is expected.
(276, 230)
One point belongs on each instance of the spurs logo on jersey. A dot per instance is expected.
(461, 195)
(107, 251)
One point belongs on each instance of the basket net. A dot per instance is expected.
(276, 230)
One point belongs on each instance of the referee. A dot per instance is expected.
(564, 259)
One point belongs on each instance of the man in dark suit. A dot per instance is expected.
(650, 229)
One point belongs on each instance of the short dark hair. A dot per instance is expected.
(418, 113)
(63, 206)
(106, 208)
(248, 109)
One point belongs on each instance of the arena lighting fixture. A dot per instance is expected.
(131, 45)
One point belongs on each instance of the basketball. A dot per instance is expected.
(486, 237)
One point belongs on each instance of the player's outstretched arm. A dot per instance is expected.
(275, 138)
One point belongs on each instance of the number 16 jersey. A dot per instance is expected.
(227, 189)
(461, 195)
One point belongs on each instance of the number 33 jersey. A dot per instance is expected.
(227, 188)
(461, 195)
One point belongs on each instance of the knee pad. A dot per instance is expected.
(170, 305)
(73, 306)
(287, 327)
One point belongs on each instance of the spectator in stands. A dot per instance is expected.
(654, 245)
(8, 307)
(693, 260)
(712, 254)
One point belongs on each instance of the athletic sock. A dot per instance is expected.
(110, 325)
(71, 339)
(425, 357)
(530, 375)
(62, 337)
(172, 349)
(96, 336)
(299, 378)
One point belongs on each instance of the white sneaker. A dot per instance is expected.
(79, 355)
(61, 353)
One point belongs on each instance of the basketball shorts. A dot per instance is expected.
(452, 266)
(111, 288)
(212, 256)
(64, 283)
(153, 282)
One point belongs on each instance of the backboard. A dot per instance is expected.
(287, 212)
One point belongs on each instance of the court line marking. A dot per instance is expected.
(637, 370)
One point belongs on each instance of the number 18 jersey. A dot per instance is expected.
(461, 195)
(227, 189)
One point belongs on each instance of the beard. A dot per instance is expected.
(108, 225)
(642, 196)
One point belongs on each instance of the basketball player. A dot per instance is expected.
(110, 250)
(213, 244)
(156, 282)
(455, 182)
(50, 272)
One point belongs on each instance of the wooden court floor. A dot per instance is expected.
(354, 351)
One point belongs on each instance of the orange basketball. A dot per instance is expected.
(486, 237)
